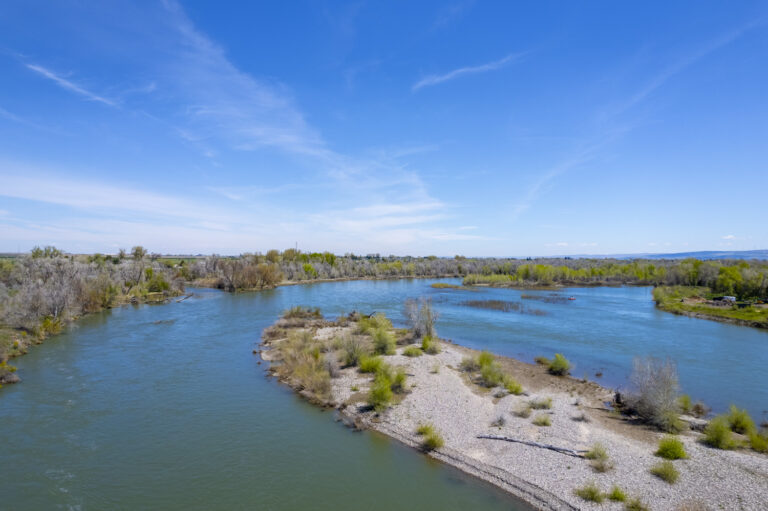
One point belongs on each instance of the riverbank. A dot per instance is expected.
(438, 392)
(693, 302)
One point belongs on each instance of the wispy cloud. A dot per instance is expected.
(456, 73)
(69, 85)
(729, 237)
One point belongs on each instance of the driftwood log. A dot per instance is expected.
(561, 450)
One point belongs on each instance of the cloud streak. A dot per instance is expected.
(68, 85)
(430, 80)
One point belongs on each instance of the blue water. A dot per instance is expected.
(165, 407)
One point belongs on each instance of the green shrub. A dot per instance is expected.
(685, 404)
(512, 386)
(598, 458)
(591, 493)
(432, 441)
(354, 351)
(371, 364)
(559, 366)
(383, 341)
(491, 375)
(398, 381)
(740, 421)
(635, 504)
(542, 420)
(380, 394)
(718, 433)
(485, 358)
(412, 351)
(541, 404)
(670, 448)
(366, 325)
(425, 429)
(666, 471)
(469, 365)
(430, 345)
(617, 494)
(759, 441)
(542, 361)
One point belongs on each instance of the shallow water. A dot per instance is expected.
(165, 407)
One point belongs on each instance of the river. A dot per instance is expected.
(165, 407)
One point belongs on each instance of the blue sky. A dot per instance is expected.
(475, 128)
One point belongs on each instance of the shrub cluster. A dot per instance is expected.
(490, 373)
(655, 398)
(670, 448)
(599, 459)
(431, 439)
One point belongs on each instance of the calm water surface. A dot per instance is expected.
(164, 407)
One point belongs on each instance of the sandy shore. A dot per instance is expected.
(440, 394)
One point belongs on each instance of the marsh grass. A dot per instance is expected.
(666, 471)
(670, 448)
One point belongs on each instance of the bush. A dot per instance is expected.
(599, 459)
(685, 404)
(759, 441)
(635, 504)
(559, 366)
(371, 364)
(412, 351)
(617, 494)
(670, 448)
(485, 358)
(469, 365)
(491, 376)
(425, 429)
(524, 412)
(542, 361)
(740, 421)
(398, 381)
(430, 345)
(383, 341)
(541, 404)
(354, 351)
(513, 387)
(590, 493)
(421, 317)
(299, 312)
(380, 394)
(718, 433)
(666, 471)
(367, 325)
(432, 441)
(542, 420)
(655, 400)
(699, 409)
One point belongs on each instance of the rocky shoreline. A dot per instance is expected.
(439, 393)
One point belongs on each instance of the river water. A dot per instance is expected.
(165, 407)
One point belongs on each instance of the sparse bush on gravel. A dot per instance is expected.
(591, 493)
(429, 345)
(412, 351)
(353, 351)
(541, 404)
(599, 459)
(635, 504)
(370, 364)
(383, 341)
(617, 494)
(542, 420)
(656, 391)
(670, 448)
(740, 421)
(431, 438)
(559, 366)
(718, 433)
(666, 471)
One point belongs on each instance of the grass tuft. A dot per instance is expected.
(666, 471)
(740, 421)
(759, 441)
(635, 504)
(670, 448)
(559, 366)
(370, 364)
(718, 433)
(590, 493)
(430, 345)
(542, 420)
(383, 341)
(617, 495)
(599, 459)
(541, 404)
(412, 351)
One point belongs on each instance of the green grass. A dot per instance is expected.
(542, 420)
(412, 351)
(740, 421)
(542, 361)
(541, 404)
(425, 429)
(370, 364)
(759, 441)
(513, 387)
(559, 366)
(431, 438)
(380, 395)
(617, 495)
(670, 448)
(397, 383)
(590, 493)
(485, 358)
(635, 504)
(383, 341)
(666, 471)
(718, 433)
(430, 345)
(353, 351)
(599, 459)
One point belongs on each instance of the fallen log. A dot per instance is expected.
(561, 450)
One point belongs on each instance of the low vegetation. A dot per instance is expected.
(590, 493)
(484, 370)
(655, 395)
(412, 351)
(599, 459)
(740, 421)
(718, 433)
(617, 494)
(430, 345)
(635, 504)
(541, 404)
(666, 471)
(542, 420)
(559, 366)
(670, 448)
(431, 439)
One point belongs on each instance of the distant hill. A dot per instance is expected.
(705, 254)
